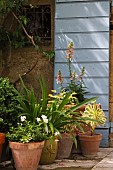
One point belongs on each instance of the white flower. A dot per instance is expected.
(38, 119)
(45, 120)
(23, 118)
(44, 117)
(57, 133)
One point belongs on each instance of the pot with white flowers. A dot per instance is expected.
(26, 142)
(90, 142)
(33, 111)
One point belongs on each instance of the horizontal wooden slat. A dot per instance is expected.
(87, 40)
(93, 86)
(82, 25)
(105, 137)
(91, 69)
(84, 55)
(103, 99)
(104, 142)
(100, 8)
(106, 125)
(97, 85)
(107, 119)
(79, 0)
(104, 133)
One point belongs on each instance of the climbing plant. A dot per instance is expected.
(18, 35)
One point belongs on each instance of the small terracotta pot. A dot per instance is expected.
(64, 146)
(90, 144)
(78, 149)
(26, 155)
(2, 140)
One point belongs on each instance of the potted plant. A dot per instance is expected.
(76, 86)
(26, 142)
(2, 139)
(75, 82)
(60, 120)
(64, 120)
(53, 107)
(8, 111)
(8, 105)
(90, 142)
(32, 108)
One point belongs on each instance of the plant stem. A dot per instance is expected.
(25, 31)
(69, 67)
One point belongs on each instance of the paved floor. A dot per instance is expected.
(103, 161)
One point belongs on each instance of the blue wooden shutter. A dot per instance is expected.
(86, 23)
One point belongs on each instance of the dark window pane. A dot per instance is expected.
(39, 21)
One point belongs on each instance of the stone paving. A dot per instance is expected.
(106, 163)
(103, 161)
(104, 154)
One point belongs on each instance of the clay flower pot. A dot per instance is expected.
(2, 140)
(64, 146)
(49, 152)
(90, 144)
(26, 155)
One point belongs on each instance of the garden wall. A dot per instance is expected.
(23, 61)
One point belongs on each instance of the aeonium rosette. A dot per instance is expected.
(94, 116)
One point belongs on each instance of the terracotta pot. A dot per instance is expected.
(86, 128)
(81, 109)
(49, 152)
(6, 154)
(26, 155)
(76, 150)
(2, 140)
(64, 146)
(78, 110)
(90, 144)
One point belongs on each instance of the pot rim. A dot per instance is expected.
(19, 145)
(97, 137)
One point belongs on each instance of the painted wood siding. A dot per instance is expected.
(86, 23)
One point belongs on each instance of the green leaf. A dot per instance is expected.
(78, 106)
(37, 47)
(64, 101)
(51, 127)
